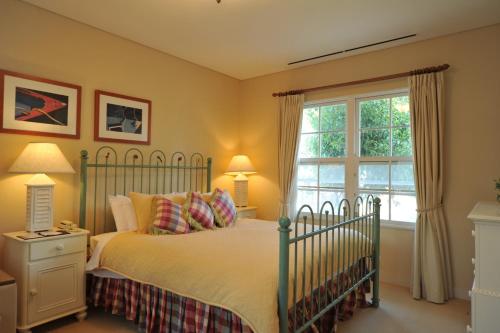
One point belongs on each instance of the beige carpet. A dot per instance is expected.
(398, 313)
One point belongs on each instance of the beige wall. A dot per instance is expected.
(472, 153)
(194, 109)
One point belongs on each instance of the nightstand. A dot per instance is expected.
(50, 275)
(248, 212)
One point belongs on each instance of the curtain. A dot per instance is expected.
(289, 122)
(432, 276)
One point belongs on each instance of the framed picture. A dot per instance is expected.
(120, 118)
(37, 106)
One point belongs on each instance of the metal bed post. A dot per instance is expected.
(84, 156)
(376, 254)
(209, 174)
(284, 230)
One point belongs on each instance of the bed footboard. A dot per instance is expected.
(321, 254)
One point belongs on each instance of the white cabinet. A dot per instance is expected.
(248, 212)
(485, 293)
(50, 276)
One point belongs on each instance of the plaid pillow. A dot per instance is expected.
(197, 212)
(169, 217)
(223, 208)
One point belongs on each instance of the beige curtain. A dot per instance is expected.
(432, 276)
(289, 122)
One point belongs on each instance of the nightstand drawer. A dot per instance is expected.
(247, 212)
(57, 247)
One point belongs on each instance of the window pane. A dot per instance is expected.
(374, 113)
(307, 175)
(334, 197)
(307, 197)
(333, 144)
(384, 203)
(401, 111)
(374, 143)
(374, 176)
(401, 141)
(402, 177)
(310, 120)
(309, 145)
(332, 175)
(333, 117)
(403, 208)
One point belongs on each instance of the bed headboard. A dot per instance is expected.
(136, 171)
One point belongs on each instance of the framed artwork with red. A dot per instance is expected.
(37, 106)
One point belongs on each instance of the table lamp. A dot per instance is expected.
(40, 158)
(240, 166)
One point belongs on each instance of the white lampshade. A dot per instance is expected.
(41, 158)
(240, 164)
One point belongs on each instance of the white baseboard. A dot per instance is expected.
(462, 294)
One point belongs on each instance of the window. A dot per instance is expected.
(358, 146)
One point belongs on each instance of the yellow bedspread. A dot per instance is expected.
(234, 268)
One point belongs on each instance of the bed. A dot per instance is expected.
(252, 277)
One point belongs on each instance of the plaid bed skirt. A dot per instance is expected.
(157, 310)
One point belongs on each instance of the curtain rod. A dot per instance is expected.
(373, 79)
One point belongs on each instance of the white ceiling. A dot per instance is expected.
(248, 38)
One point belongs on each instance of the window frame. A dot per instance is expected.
(353, 157)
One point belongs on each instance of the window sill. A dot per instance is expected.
(397, 225)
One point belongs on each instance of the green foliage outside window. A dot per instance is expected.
(376, 116)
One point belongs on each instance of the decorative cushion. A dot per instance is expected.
(144, 208)
(169, 216)
(197, 212)
(123, 213)
(223, 208)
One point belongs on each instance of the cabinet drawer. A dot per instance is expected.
(247, 214)
(57, 247)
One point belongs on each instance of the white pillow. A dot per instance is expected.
(123, 213)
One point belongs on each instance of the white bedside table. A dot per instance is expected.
(249, 212)
(50, 276)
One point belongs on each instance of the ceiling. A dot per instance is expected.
(249, 38)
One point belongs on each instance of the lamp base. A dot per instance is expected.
(241, 191)
(39, 201)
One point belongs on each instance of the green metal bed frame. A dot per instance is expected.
(365, 220)
(107, 175)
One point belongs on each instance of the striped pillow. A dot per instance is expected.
(197, 212)
(223, 208)
(169, 217)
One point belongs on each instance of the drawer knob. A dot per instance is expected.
(473, 261)
(469, 329)
(33, 292)
(60, 247)
(470, 293)
(473, 233)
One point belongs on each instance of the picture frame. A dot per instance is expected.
(33, 105)
(123, 119)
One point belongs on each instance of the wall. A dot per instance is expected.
(194, 109)
(472, 156)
